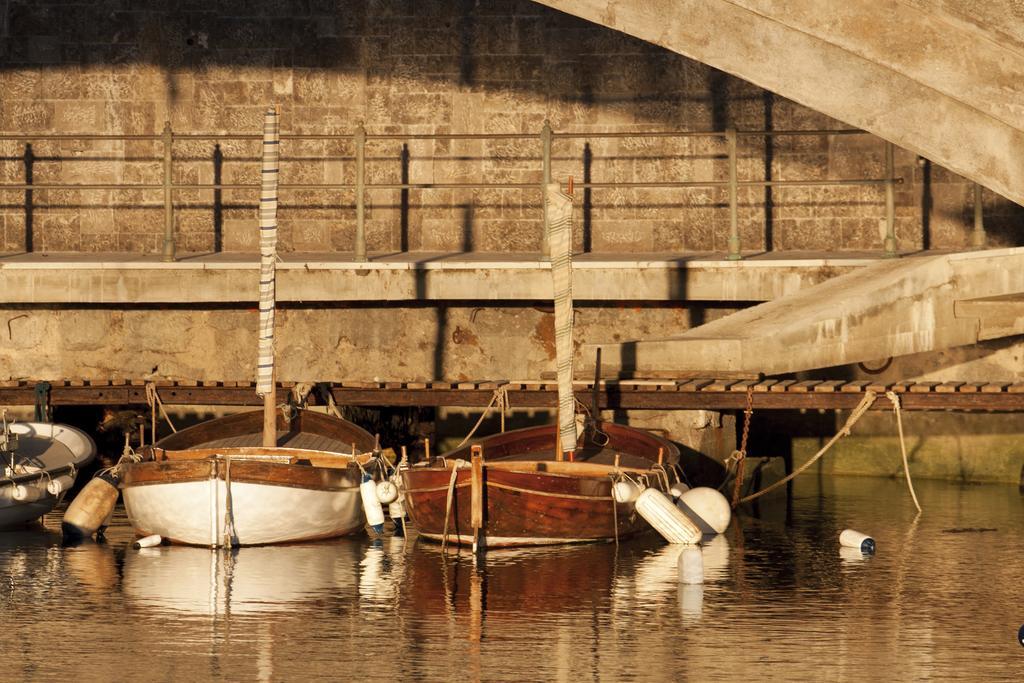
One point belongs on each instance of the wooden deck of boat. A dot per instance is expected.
(312, 442)
(657, 393)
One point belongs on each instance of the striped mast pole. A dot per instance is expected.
(265, 377)
(559, 218)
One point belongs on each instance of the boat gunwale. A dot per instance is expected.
(191, 471)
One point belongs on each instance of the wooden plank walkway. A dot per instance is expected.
(640, 394)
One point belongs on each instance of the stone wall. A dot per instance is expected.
(419, 67)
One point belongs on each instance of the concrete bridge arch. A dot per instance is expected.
(942, 78)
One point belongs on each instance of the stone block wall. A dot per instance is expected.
(404, 67)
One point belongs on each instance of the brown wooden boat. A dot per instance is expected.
(214, 484)
(525, 496)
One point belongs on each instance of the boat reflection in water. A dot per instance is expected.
(243, 581)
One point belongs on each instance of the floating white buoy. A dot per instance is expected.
(371, 505)
(90, 508)
(666, 518)
(625, 491)
(60, 484)
(855, 539)
(678, 489)
(27, 494)
(708, 508)
(148, 541)
(691, 566)
(387, 492)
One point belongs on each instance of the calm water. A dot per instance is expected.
(941, 599)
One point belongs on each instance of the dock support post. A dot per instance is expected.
(545, 139)
(890, 201)
(169, 247)
(978, 236)
(360, 142)
(734, 226)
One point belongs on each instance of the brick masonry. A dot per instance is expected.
(121, 67)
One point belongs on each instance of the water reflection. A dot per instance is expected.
(778, 591)
(240, 581)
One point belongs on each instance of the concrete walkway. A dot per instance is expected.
(231, 277)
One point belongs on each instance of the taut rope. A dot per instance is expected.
(858, 412)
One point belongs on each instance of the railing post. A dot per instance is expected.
(734, 224)
(890, 201)
(168, 140)
(545, 139)
(360, 141)
(978, 236)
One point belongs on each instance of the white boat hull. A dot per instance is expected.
(198, 512)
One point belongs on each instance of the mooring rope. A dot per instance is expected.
(741, 454)
(458, 465)
(153, 399)
(892, 396)
(858, 412)
(499, 399)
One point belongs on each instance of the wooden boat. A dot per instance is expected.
(40, 463)
(253, 478)
(214, 484)
(543, 485)
(529, 497)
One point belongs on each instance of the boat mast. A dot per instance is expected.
(265, 375)
(559, 215)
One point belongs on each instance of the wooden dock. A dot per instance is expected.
(635, 394)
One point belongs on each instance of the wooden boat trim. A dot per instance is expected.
(242, 472)
(281, 455)
(574, 470)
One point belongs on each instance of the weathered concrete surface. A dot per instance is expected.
(957, 447)
(927, 76)
(431, 66)
(120, 279)
(892, 308)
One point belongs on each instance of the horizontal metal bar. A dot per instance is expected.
(453, 136)
(453, 186)
(88, 186)
(432, 136)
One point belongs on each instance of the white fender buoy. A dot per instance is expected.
(27, 494)
(387, 492)
(60, 484)
(625, 491)
(855, 539)
(371, 505)
(148, 541)
(678, 489)
(691, 566)
(90, 508)
(708, 508)
(658, 511)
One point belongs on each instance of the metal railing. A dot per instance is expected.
(545, 138)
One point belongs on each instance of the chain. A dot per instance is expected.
(740, 456)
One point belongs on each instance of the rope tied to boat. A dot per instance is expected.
(459, 464)
(855, 416)
(153, 399)
(892, 396)
(499, 400)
